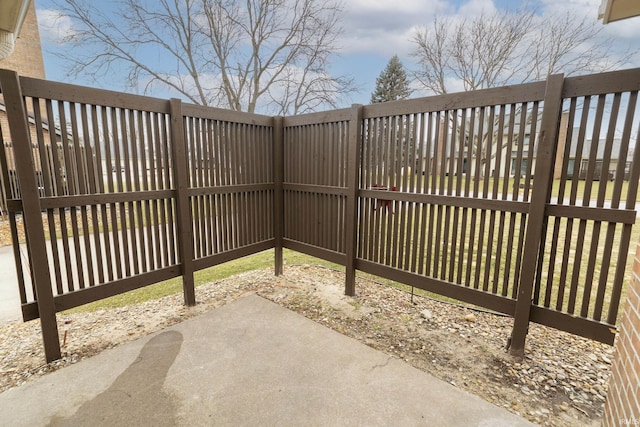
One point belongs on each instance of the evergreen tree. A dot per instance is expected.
(392, 83)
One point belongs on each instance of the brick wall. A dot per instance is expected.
(622, 407)
(26, 58)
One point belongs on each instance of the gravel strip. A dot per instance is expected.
(562, 380)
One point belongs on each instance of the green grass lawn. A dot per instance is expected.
(265, 260)
(257, 261)
(253, 262)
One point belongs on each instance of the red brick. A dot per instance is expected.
(636, 268)
(623, 399)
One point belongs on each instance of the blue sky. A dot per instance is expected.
(374, 30)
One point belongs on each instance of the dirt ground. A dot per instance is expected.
(5, 232)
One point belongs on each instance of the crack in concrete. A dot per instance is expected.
(381, 365)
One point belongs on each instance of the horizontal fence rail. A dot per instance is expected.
(519, 199)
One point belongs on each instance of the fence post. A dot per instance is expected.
(31, 211)
(351, 210)
(278, 191)
(183, 204)
(545, 156)
(4, 179)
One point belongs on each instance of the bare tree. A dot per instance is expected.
(508, 48)
(562, 43)
(267, 54)
(432, 54)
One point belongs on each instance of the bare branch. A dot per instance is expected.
(214, 52)
(432, 55)
(508, 48)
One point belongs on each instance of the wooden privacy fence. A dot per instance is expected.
(140, 190)
(494, 197)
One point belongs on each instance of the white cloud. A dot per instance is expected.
(386, 6)
(625, 29)
(585, 7)
(474, 8)
(384, 27)
(378, 41)
(54, 26)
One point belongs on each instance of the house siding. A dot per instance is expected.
(26, 58)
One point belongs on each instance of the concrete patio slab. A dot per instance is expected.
(248, 363)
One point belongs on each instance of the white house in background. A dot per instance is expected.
(579, 165)
(513, 152)
(517, 156)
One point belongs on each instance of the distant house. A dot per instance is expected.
(579, 165)
(518, 157)
(516, 153)
(7, 146)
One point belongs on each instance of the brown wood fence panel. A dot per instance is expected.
(315, 183)
(591, 209)
(520, 199)
(106, 183)
(132, 191)
(231, 183)
(445, 193)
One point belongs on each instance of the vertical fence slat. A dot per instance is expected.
(99, 211)
(544, 171)
(155, 180)
(185, 236)
(278, 202)
(137, 225)
(123, 167)
(351, 210)
(34, 230)
(86, 176)
(147, 174)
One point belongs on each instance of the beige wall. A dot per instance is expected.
(26, 58)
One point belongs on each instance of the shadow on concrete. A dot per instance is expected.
(136, 397)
